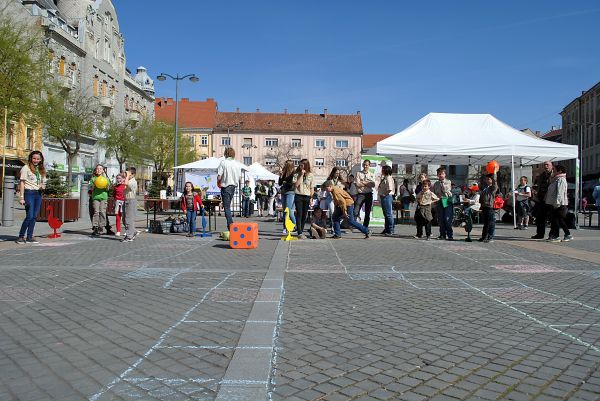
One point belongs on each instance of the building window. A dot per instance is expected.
(104, 88)
(341, 163)
(225, 141)
(425, 169)
(341, 143)
(296, 162)
(97, 49)
(319, 162)
(248, 141)
(408, 168)
(452, 170)
(271, 142)
(95, 85)
(204, 140)
(10, 139)
(29, 140)
(247, 160)
(270, 162)
(296, 143)
(73, 73)
(319, 143)
(106, 49)
(127, 102)
(192, 139)
(51, 61)
(61, 66)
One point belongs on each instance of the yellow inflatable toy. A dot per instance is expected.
(289, 227)
(101, 182)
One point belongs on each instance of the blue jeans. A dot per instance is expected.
(33, 203)
(245, 207)
(190, 216)
(288, 201)
(227, 194)
(386, 205)
(444, 217)
(338, 217)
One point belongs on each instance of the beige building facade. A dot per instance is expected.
(326, 140)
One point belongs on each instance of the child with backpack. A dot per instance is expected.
(489, 204)
(523, 194)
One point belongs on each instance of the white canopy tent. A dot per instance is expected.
(258, 172)
(466, 139)
(203, 174)
(211, 163)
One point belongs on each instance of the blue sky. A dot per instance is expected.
(395, 61)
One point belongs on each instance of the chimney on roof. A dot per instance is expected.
(305, 111)
(358, 112)
(185, 99)
(257, 110)
(237, 109)
(285, 111)
(324, 112)
(537, 133)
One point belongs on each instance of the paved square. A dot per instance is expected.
(175, 318)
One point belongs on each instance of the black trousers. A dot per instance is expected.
(302, 203)
(558, 221)
(367, 200)
(421, 222)
(541, 216)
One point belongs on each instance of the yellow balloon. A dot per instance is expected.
(101, 182)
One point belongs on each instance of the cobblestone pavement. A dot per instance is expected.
(174, 318)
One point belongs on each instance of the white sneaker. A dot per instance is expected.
(284, 232)
(118, 234)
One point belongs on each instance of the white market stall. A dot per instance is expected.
(466, 139)
(203, 174)
(260, 173)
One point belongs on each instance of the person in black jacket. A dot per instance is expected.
(542, 209)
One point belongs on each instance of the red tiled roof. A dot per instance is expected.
(283, 122)
(370, 140)
(552, 134)
(191, 114)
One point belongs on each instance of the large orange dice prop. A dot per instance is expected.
(243, 235)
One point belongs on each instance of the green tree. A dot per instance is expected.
(120, 140)
(23, 64)
(69, 119)
(56, 187)
(157, 144)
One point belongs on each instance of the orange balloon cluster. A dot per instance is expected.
(492, 167)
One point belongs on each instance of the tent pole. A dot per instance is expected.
(514, 196)
(577, 194)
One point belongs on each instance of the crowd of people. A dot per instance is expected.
(339, 201)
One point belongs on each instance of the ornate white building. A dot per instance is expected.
(86, 52)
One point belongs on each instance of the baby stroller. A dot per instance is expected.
(463, 218)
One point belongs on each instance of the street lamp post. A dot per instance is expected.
(193, 78)
(229, 127)
(249, 146)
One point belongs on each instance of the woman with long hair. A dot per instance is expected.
(32, 181)
(304, 188)
(385, 191)
(286, 182)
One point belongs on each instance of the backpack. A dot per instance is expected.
(498, 202)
